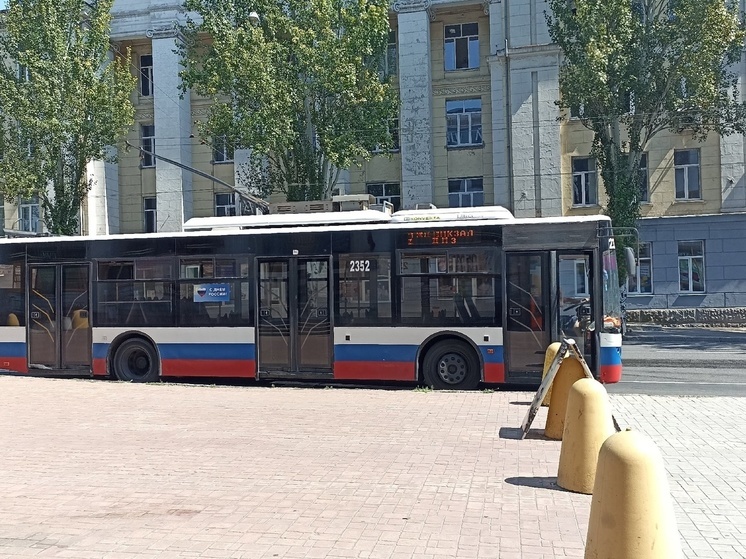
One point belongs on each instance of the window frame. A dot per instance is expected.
(644, 257)
(644, 177)
(231, 207)
(389, 63)
(462, 193)
(468, 39)
(589, 197)
(690, 260)
(475, 130)
(34, 221)
(685, 167)
(150, 214)
(222, 151)
(393, 128)
(146, 76)
(147, 142)
(386, 196)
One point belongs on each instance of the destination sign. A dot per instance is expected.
(442, 237)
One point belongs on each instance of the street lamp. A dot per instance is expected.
(254, 18)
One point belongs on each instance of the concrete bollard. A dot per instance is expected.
(631, 510)
(570, 371)
(587, 425)
(549, 355)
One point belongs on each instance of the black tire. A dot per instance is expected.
(136, 361)
(451, 365)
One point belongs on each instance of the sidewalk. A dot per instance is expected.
(95, 469)
(653, 333)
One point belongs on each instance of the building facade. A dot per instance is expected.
(479, 125)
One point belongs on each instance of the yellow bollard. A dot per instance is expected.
(587, 425)
(570, 371)
(551, 352)
(631, 510)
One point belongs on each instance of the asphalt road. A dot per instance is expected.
(684, 362)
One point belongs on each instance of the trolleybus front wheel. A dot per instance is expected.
(451, 364)
(136, 361)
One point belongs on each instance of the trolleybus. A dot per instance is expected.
(445, 297)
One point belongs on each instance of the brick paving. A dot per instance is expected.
(95, 469)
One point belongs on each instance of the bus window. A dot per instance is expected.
(456, 287)
(12, 295)
(135, 293)
(364, 289)
(214, 291)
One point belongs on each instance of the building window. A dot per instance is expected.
(466, 192)
(584, 181)
(686, 166)
(28, 215)
(149, 214)
(147, 131)
(393, 129)
(644, 179)
(642, 282)
(222, 150)
(388, 64)
(146, 75)
(386, 192)
(225, 204)
(462, 46)
(464, 122)
(691, 266)
(24, 74)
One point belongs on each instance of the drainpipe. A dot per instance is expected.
(508, 114)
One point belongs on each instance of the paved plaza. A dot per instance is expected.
(96, 469)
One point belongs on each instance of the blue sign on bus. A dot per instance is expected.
(212, 292)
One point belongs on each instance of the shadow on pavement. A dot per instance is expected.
(540, 482)
(514, 433)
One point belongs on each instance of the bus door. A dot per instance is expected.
(294, 332)
(58, 330)
(527, 322)
(575, 301)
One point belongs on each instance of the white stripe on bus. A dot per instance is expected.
(411, 336)
(14, 334)
(203, 335)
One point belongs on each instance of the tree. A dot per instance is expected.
(634, 68)
(295, 81)
(63, 102)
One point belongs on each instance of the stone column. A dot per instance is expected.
(172, 117)
(524, 73)
(415, 91)
(499, 81)
(733, 157)
(103, 198)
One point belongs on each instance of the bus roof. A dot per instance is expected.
(450, 217)
(289, 220)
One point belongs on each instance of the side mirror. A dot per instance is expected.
(629, 254)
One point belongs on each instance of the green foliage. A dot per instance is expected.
(62, 102)
(301, 88)
(642, 66)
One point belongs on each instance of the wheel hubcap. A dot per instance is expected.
(452, 368)
(137, 363)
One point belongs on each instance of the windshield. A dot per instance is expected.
(612, 295)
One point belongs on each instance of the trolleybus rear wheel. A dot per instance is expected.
(451, 364)
(136, 361)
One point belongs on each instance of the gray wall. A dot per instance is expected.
(724, 299)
